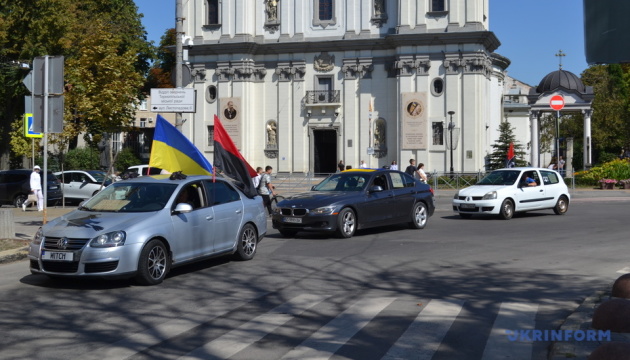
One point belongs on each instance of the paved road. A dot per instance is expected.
(446, 292)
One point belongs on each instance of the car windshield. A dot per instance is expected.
(500, 177)
(131, 197)
(343, 182)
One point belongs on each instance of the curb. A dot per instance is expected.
(581, 319)
(13, 255)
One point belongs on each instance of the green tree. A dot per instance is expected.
(107, 32)
(610, 120)
(160, 73)
(497, 159)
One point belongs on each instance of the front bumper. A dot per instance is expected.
(87, 261)
(477, 206)
(308, 222)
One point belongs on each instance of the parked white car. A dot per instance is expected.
(143, 170)
(80, 184)
(507, 191)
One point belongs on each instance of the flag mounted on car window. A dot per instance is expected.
(230, 161)
(172, 151)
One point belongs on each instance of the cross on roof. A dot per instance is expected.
(560, 55)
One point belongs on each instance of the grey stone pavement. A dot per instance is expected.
(27, 223)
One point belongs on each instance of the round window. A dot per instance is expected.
(211, 94)
(437, 87)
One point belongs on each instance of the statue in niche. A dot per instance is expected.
(379, 134)
(379, 7)
(272, 136)
(272, 10)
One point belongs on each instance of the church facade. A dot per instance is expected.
(301, 84)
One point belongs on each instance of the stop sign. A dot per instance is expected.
(557, 102)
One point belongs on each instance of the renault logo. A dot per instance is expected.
(62, 243)
(468, 199)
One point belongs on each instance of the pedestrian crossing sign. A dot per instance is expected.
(28, 127)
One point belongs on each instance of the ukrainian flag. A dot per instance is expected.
(172, 151)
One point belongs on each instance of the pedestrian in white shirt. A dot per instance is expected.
(394, 165)
(256, 179)
(363, 165)
(36, 188)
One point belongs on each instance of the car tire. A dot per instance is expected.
(346, 223)
(507, 209)
(19, 200)
(419, 216)
(247, 243)
(287, 233)
(154, 263)
(561, 206)
(465, 216)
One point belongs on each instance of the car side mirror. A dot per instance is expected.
(183, 208)
(376, 188)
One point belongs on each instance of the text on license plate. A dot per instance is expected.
(467, 206)
(57, 255)
(293, 220)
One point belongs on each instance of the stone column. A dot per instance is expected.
(533, 118)
(587, 139)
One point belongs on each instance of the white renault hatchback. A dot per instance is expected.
(507, 191)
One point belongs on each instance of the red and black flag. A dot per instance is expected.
(230, 161)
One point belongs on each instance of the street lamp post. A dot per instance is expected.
(451, 126)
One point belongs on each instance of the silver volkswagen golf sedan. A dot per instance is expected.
(144, 226)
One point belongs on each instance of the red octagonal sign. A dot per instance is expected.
(556, 102)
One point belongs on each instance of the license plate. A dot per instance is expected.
(467, 206)
(293, 220)
(57, 255)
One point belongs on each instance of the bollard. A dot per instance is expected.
(7, 226)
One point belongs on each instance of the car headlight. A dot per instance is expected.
(39, 236)
(456, 196)
(112, 239)
(490, 196)
(326, 210)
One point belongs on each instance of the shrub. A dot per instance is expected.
(81, 159)
(125, 159)
(616, 169)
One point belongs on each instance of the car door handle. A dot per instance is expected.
(209, 217)
(239, 211)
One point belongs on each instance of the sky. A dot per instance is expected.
(531, 33)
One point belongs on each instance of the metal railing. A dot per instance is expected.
(323, 97)
(455, 180)
(288, 183)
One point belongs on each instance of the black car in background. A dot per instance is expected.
(15, 185)
(356, 199)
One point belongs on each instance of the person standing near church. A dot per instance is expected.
(36, 188)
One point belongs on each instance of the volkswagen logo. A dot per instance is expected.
(62, 243)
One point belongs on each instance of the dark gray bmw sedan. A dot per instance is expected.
(356, 199)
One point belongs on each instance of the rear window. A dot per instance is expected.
(549, 177)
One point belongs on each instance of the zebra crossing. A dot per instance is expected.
(310, 326)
